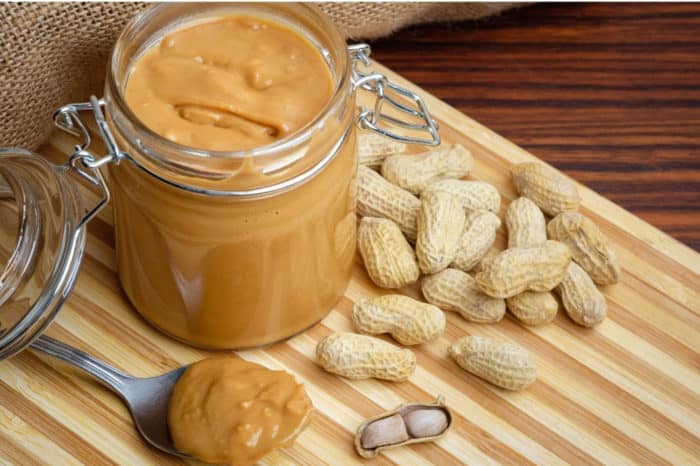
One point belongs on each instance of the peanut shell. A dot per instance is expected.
(373, 148)
(376, 197)
(546, 187)
(409, 322)
(421, 433)
(440, 225)
(414, 172)
(454, 290)
(476, 240)
(588, 245)
(525, 223)
(474, 195)
(533, 307)
(582, 301)
(534, 268)
(502, 363)
(361, 357)
(389, 259)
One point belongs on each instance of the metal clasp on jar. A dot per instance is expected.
(380, 85)
(82, 161)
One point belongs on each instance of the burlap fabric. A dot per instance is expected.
(55, 53)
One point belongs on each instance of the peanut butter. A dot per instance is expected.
(222, 271)
(227, 410)
(230, 84)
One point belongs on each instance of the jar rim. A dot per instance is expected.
(117, 98)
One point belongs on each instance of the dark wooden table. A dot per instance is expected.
(608, 93)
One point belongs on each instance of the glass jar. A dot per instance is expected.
(233, 250)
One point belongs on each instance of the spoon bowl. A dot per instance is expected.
(146, 398)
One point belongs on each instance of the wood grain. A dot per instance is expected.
(625, 392)
(608, 93)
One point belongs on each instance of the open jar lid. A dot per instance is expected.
(41, 245)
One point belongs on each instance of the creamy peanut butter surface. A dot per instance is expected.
(226, 272)
(227, 410)
(229, 84)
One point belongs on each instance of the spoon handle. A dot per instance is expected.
(101, 371)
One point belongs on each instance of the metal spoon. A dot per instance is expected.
(146, 398)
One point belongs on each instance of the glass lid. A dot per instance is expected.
(41, 245)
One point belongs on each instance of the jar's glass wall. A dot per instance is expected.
(226, 271)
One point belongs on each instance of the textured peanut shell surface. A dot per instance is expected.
(361, 357)
(373, 148)
(502, 363)
(474, 195)
(414, 172)
(525, 223)
(376, 197)
(389, 259)
(476, 240)
(550, 190)
(588, 245)
(410, 322)
(534, 268)
(533, 307)
(455, 290)
(582, 301)
(440, 226)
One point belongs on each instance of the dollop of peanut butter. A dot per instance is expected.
(227, 410)
(233, 83)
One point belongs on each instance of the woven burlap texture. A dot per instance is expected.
(56, 53)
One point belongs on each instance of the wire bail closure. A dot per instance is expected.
(82, 161)
(380, 85)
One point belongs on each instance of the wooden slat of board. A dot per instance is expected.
(625, 392)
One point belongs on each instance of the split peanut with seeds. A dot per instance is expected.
(454, 290)
(376, 197)
(409, 322)
(414, 172)
(406, 424)
(440, 225)
(502, 363)
(389, 259)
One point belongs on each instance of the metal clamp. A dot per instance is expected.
(380, 85)
(82, 161)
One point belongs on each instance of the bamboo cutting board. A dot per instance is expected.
(627, 391)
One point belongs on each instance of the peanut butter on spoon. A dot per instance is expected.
(227, 410)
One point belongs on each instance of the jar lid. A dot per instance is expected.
(42, 238)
